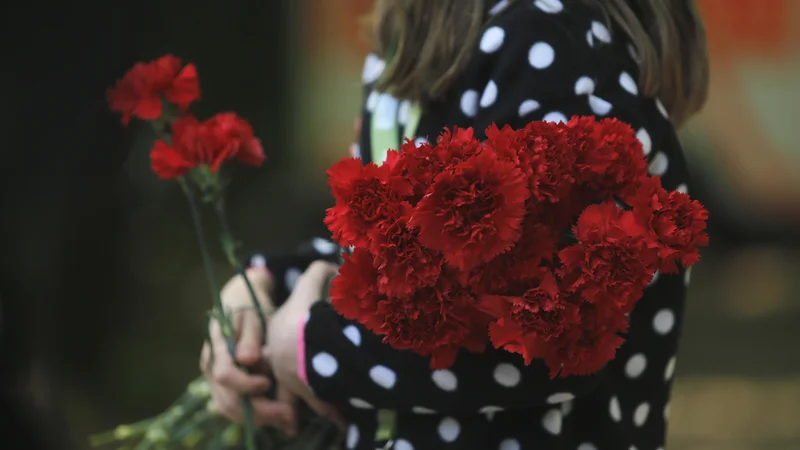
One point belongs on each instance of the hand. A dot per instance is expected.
(229, 382)
(283, 336)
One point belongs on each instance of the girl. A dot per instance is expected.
(470, 63)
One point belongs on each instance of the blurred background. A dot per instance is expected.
(104, 299)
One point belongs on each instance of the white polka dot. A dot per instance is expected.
(614, 409)
(352, 436)
(372, 101)
(291, 276)
(549, 6)
(663, 321)
(490, 411)
(658, 166)
(373, 68)
(402, 444)
(632, 447)
(527, 107)
(499, 6)
(670, 369)
(552, 421)
(420, 141)
(507, 375)
(510, 444)
(644, 138)
(352, 333)
(422, 410)
(683, 188)
(566, 408)
(599, 106)
(324, 364)
(640, 414)
(492, 39)
(324, 246)
(383, 376)
(445, 380)
(559, 397)
(653, 280)
(541, 55)
(635, 365)
(360, 404)
(687, 276)
(258, 261)
(601, 32)
(404, 112)
(587, 446)
(628, 83)
(662, 109)
(469, 103)
(590, 38)
(584, 86)
(489, 95)
(449, 429)
(555, 117)
(666, 411)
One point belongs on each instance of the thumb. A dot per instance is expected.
(248, 349)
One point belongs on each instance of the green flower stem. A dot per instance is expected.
(224, 320)
(229, 246)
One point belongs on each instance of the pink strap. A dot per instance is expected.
(301, 352)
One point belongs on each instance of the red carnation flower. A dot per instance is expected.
(609, 156)
(547, 143)
(185, 153)
(403, 264)
(210, 143)
(435, 321)
(511, 272)
(588, 344)
(420, 163)
(526, 324)
(612, 262)
(353, 292)
(473, 211)
(678, 222)
(456, 146)
(141, 90)
(229, 134)
(365, 195)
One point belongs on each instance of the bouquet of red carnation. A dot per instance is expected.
(539, 240)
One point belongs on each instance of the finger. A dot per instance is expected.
(275, 413)
(205, 356)
(227, 403)
(262, 281)
(288, 398)
(320, 270)
(311, 284)
(225, 373)
(251, 338)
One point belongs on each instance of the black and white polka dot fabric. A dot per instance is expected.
(536, 60)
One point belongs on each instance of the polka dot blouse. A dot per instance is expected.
(536, 60)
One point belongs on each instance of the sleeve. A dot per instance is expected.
(530, 65)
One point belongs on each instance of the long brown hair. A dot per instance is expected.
(430, 41)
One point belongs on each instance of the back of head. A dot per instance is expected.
(428, 43)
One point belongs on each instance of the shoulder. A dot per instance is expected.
(549, 36)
